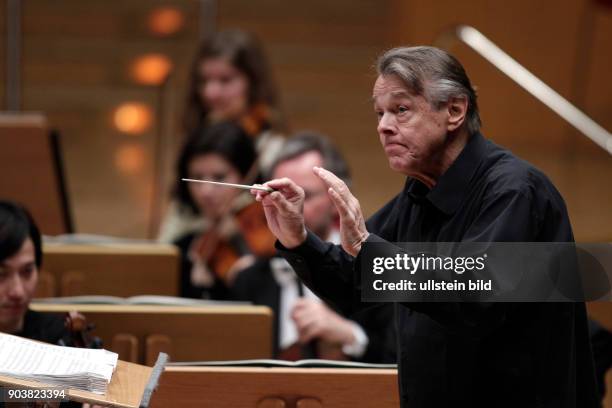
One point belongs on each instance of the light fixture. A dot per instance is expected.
(165, 21)
(150, 69)
(132, 117)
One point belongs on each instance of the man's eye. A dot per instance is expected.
(27, 271)
(379, 114)
(402, 109)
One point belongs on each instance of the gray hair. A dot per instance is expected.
(434, 74)
(308, 141)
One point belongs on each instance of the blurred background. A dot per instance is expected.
(111, 79)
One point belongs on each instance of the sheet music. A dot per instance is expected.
(89, 369)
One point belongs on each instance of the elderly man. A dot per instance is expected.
(301, 317)
(460, 188)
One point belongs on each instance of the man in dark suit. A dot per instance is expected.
(301, 317)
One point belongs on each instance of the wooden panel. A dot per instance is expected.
(155, 344)
(46, 287)
(126, 346)
(96, 20)
(29, 170)
(196, 333)
(334, 388)
(2, 55)
(272, 403)
(115, 270)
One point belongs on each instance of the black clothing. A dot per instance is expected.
(472, 354)
(256, 284)
(46, 327)
(601, 340)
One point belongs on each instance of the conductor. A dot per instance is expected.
(460, 187)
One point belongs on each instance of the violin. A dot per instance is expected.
(220, 247)
(78, 330)
(248, 235)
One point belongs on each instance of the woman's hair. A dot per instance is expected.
(226, 139)
(17, 225)
(244, 51)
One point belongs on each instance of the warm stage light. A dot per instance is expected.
(132, 117)
(165, 21)
(150, 69)
(130, 159)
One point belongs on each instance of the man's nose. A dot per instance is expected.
(386, 125)
(16, 288)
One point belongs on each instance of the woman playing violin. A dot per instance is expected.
(230, 80)
(234, 228)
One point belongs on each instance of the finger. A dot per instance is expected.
(302, 321)
(333, 181)
(279, 201)
(258, 194)
(308, 333)
(304, 317)
(327, 176)
(301, 303)
(297, 308)
(285, 184)
(300, 313)
(342, 206)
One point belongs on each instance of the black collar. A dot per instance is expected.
(452, 187)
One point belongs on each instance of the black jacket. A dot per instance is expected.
(471, 354)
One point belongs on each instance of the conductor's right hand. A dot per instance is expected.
(284, 210)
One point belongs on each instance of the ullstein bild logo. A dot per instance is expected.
(412, 264)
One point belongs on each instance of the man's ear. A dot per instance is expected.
(457, 109)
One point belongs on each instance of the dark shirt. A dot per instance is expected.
(601, 340)
(46, 327)
(472, 354)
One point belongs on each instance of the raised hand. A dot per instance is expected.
(353, 230)
(284, 209)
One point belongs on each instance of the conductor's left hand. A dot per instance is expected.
(353, 232)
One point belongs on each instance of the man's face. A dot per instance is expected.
(319, 211)
(412, 133)
(18, 279)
